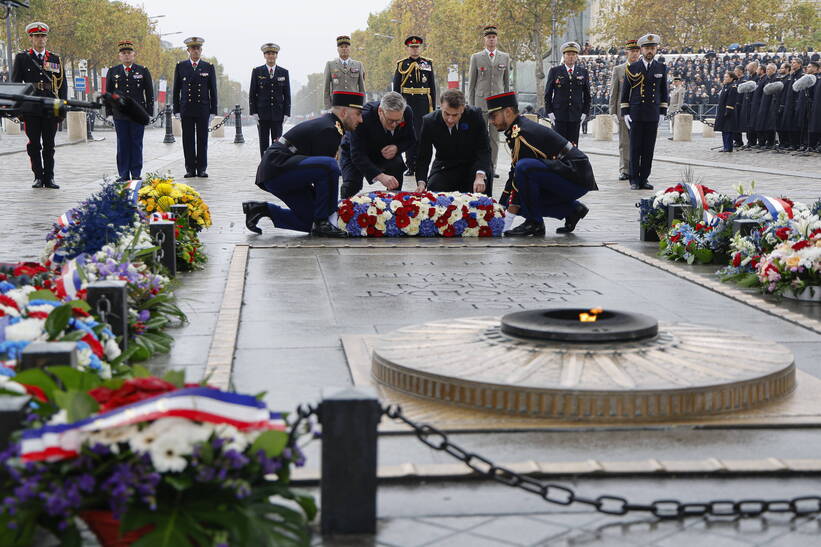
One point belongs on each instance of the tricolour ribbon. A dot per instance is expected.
(160, 216)
(69, 282)
(133, 188)
(696, 193)
(774, 206)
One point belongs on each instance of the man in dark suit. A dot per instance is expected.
(43, 69)
(567, 94)
(269, 97)
(414, 79)
(130, 80)
(374, 151)
(463, 153)
(301, 170)
(195, 100)
(644, 101)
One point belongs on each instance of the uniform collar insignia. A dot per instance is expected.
(514, 130)
(339, 128)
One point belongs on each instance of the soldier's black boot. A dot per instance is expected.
(527, 228)
(254, 212)
(571, 221)
(326, 229)
(49, 183)
(38, 183)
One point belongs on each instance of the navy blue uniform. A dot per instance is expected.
(135, 83)
(645, 98)
(301, 170)
(360, 151)
(567, 96)
(195, 99)
(727, 116)
(787, 123)
(269, 97)
(48, 77)
(547, 174)
(413, 78)
(814, 124)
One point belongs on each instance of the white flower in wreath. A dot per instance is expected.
(7, 384)
(167, 455)
(112, 349)
(27, 330)
(233, 437)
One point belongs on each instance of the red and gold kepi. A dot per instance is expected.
(351, 99)
(490, 29)
(37, 27)
(343, 40)
(125, 45)
(631, 44)
(414, 41)
(502, 100)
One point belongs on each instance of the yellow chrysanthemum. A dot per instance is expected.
(165, 203)
(164, 188)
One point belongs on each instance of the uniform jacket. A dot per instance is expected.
(488, 77)
(775, 106)
(676, 99)
(728, 112)
(529, 139)
(466, 147)
(317, 137)
(786, 118)
(745, 105)
(644, 93)
(195, 90)
(804, 103)
(270, 98)
(755, 104)
(339, 77)
(764, 118)
(413, 78)
(48, 77)
(565, 96)
(135, 83)
(371, 137)
(616, 82)
(814, 125)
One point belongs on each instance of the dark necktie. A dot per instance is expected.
(270, 72)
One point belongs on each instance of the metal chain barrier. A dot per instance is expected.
(101, 118)
(609, 505)
(160, 242)
(220, 124)
(14, 120)
(103, 308)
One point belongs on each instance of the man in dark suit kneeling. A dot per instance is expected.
(462, 146)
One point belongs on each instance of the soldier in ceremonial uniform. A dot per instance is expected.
(728, 112)
(567, 94)
(644, 101)
(616, 81)
(43, 69)
(676, 101)
(269, 97)
(804, 87)
(343, 73)
(548, 174)
(489, 75)
(301, 169)
(765, 118)
(814, 124)
(130, 80)
(755, 104)
(413, 78)
(195, 100)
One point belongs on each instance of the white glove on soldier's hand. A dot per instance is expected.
(256, 117)
(661, 118)
(551, 117)
(584, 117)
(628, 120)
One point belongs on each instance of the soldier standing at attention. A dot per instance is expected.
(343, 73)
(414, 80)
(489, 75)
(644, 101)
(567, 94)
(43, 69)
(616, 81)
(676, 101)
(269, 97)
(130, 80)
(195, 100)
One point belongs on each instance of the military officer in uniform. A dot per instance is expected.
(42, 68)
(343, 73)
(567, 94)
(413, 78)
(548, 174)
(269, 97)
(616, 79)
(489, 75)
(301, 169)
(676, 101)
(195, 100)
(130, 80)
(644, 101)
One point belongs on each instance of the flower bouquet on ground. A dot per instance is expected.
(152, 462)
(425, 214)
(653, 212)
(793, 268)
(688, 243)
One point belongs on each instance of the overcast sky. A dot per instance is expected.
(305, 30)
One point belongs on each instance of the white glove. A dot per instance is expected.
(661, 118)
(551, 117)
(628, 120)
(210, 117)
(256, 117)
(584, 117)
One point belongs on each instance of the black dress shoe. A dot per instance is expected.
(202, 175)
(121, 179)
(38, 183)
(571, 221)
(644, 185)
(624, 176)
(50, 184)
(326, 229)
(189, 175)
(408, 173)
(527, 228)
(254, 212)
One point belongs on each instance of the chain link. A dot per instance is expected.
(103, 308)
(14, 120)
(160, 243)
(220, 124)
(102, 118)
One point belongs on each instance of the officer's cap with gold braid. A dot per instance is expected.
(414, 41)
(571, 47)
(194, 41)
(351, 99)
(500, 101)
(649, 40)
(270, 47)
(36, 27)
(631, 44)
(343, 40)
(125, 45)
(490, 29)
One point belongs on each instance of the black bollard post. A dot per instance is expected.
(163, 235)
(180, 211)
(109, 299)
(12, 412)
(676, 211)
(89, 124)
(238, 139)
(169, 130)
(49, 354)
(745, 226)
(349, 418)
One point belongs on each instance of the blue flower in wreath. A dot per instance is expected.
(460, 226)
(427, 228)
(463, 126)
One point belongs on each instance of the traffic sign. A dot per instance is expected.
(79, 83)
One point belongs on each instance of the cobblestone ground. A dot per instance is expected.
(424, 514)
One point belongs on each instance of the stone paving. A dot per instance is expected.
(302, 293)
